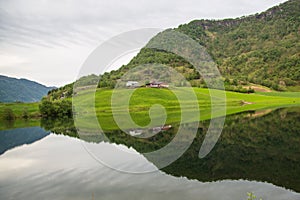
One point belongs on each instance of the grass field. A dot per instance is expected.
(180, 102)
(293, 88)
(143, 98)
(281, 94)
(19, 108)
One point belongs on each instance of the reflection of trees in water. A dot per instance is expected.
(64, 126)
(8, 124)
(8, 118)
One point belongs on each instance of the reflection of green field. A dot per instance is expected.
(19, 123)
(143, 98)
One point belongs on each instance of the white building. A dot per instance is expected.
(132, 84)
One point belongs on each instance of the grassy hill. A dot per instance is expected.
(22, 90)
(262, 49)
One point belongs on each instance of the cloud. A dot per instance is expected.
(79, 26)
(9, 60)
(51, 23)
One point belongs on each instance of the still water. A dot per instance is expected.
(257, 152)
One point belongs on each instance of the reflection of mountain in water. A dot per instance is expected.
(253, 146)
(16, 137)
(257, 148)
(261, 149)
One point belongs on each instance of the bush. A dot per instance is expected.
(46, 108)
(8, 114)
(239, 89)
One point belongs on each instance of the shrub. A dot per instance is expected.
(25, 113)
(8, 114)
(60, 108)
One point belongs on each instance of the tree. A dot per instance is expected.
(46, 108)
(64, 108)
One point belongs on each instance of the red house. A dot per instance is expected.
(155, 84)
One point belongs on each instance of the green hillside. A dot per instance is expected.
(261, 52)
(21, 90)
(262, 49)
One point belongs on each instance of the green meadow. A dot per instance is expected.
(109, 105)
(20, 108)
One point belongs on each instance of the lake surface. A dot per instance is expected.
(257, 152)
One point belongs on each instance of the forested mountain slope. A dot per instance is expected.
(23, 90)
(262, 48)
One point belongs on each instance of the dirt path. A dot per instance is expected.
(258, 88)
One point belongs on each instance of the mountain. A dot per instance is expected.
(262, 49)
(23, 90)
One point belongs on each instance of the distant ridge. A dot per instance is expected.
(22, 90)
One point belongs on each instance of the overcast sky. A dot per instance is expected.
(48, 40)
